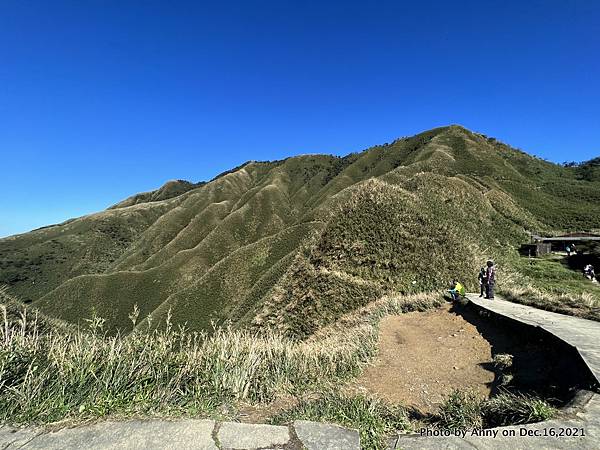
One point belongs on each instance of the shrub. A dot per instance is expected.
(502, 361)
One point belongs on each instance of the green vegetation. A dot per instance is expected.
(270, 280)
(50, 373)
(294, 245)
(374, 244)
(466, 410)
(588, 170)
(53, 376)
(514, 409)
(374, 419)
(462, 410)
(549, 283)
(169, 190)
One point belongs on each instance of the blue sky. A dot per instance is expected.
(103, 99)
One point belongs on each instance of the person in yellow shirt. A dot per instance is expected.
(457, 291)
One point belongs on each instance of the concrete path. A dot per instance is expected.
(183, 435)
(577, 428)
(582, 334)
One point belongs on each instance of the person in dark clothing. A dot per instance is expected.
(482, 281)
(490, 275)
(589, 272)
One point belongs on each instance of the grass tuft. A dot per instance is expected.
(466, 410)
(549, 283)
(515, 409)
(461, 410)
(374, 419)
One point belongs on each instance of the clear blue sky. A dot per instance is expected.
(103, 99)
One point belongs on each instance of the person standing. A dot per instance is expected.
(482, 281)
(490, 275)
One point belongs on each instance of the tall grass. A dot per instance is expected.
(575, 304)
(47, 374)
(49, 377)
(50, 373)
(579, 304)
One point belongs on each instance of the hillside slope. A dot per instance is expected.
(294, 244)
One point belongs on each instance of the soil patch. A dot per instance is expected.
(248, 413)
(423, 356)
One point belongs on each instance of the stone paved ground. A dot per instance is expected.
(184, 434)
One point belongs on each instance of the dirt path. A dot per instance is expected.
(423, 356)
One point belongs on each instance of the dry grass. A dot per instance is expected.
(47, 374)
(547, 285)
(373, 418)
(579, 304)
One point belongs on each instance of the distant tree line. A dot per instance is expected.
(586, 170)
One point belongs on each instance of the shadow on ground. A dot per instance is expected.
(542, 364)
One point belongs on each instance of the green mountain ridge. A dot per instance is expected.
(169, 190)
(296, 243)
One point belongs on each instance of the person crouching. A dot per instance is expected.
(457, 290)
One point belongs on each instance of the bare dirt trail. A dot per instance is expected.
(423, 356)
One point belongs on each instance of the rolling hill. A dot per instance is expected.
(294, 244)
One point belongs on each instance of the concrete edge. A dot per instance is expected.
(539, 326)
(313, 436)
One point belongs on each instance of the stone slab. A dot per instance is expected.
(246, 436)
(197, 434)
(582, 334)
(131, 435)
(325, 436)
(16, 437)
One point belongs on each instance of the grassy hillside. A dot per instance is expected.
(587, 170)
(295, 244)
(170, 189)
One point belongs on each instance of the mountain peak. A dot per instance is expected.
(295, 243)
